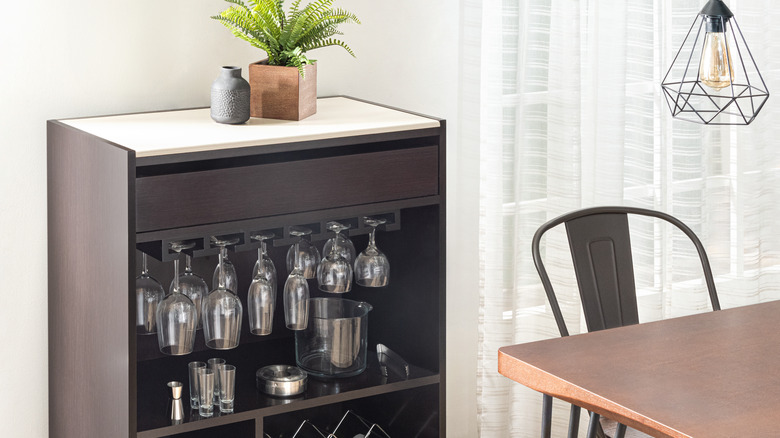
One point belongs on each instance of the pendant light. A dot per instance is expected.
(713, 78)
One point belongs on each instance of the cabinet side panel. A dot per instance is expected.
(443, 279)
(90, 216)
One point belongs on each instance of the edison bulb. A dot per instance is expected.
(716, 69)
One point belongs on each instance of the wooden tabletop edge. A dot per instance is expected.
(541, 381)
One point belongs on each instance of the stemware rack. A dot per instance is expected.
(160, 248)
(120, 186)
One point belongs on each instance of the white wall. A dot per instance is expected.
(85, 57)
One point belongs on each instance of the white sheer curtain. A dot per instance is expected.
(563, 103)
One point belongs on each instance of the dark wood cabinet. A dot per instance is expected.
(122, 185)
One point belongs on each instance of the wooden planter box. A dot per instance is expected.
(281, 93)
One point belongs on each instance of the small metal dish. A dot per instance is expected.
(281, 380)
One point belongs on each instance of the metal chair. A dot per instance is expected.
(601, 251)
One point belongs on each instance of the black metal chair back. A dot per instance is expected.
(600, 245)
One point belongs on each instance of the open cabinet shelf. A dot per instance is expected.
(120, 186)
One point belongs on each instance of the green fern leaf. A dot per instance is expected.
(333, 42)
(279, 9)
(325, 27)
(245, 34)
(240, 3)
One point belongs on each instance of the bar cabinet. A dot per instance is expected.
(120, 186)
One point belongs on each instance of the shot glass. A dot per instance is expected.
(206, 388)
(213, 365)
(227, 387)
(194, 392)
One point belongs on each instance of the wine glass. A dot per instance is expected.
(261, 298)
(192, 285)
(231, 278)
(309, 254)
(345, 246)
(148, 294)
(263, 259)
(334, 274)
(296, 293)
(222, 309)
(176, 314)
(372, 269)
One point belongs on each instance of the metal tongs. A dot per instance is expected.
(390, 361)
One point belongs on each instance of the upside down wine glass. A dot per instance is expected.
(222, 309)
(148, 294)
(192, 285)
(176, 315)
(304, 253)
(231, 278)
(372, 269)
(296, 294)
(261, 298)
(263, 260)
(334, 274)
(345, 247)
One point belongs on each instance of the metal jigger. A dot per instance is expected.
(177, 408)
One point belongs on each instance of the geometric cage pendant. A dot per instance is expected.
(713, 78)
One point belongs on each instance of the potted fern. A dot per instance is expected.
(284, 86)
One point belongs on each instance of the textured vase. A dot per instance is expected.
(230, 97)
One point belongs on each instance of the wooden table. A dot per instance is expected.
(710, 375)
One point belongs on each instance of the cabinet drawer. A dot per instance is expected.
(220, 195)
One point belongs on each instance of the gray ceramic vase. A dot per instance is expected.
(230, 97)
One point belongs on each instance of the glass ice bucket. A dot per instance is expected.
(334, 341)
